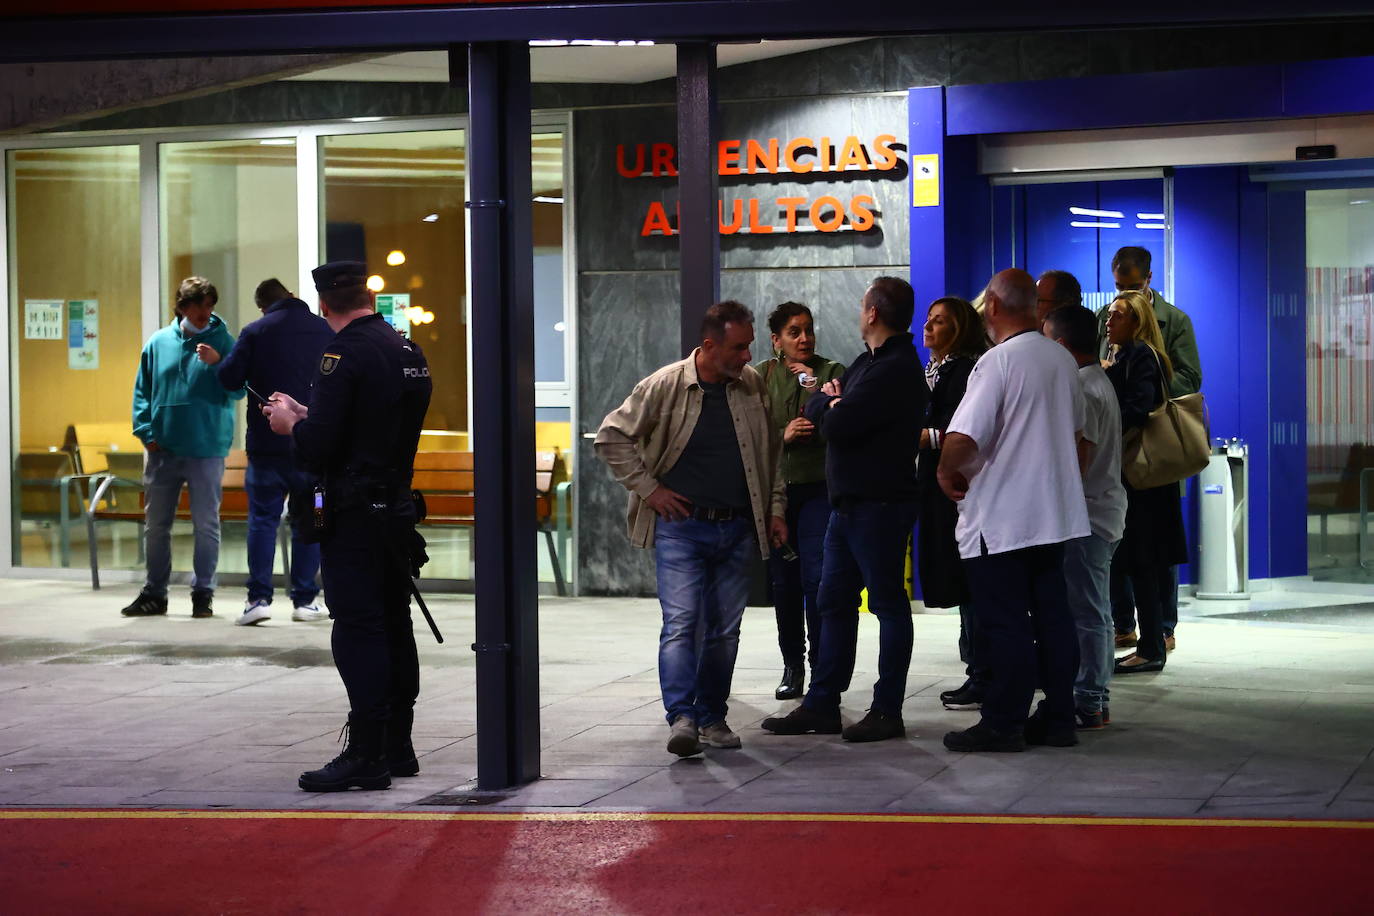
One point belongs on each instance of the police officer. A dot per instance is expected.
(359, 434)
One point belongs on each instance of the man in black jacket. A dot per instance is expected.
(872, 428)
(278, 352)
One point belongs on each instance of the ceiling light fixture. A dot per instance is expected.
(432, 218)
(366, 119)
(1149, 216)
(376, 283)
(278, 141)
(1084, 211)
(1082, 224)
(1150, 226)
(541, 199)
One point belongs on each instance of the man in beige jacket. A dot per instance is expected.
(694, 446)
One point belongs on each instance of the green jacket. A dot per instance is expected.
(801, 462)
(178, 400)
(1180, 343)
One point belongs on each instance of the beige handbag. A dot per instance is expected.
(1173, 445)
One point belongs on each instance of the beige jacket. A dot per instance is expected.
(644, 437)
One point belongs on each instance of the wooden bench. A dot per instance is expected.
(447, 480)
(108, 503)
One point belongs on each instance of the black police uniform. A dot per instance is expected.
(360, 436)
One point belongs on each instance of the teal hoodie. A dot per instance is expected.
(178, 401)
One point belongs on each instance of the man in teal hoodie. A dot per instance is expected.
(185, 420)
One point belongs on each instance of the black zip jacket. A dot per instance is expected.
(874, 430)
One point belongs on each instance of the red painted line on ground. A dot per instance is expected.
(192, 862)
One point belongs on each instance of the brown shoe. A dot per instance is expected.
(1169, 643)
(1126, 640)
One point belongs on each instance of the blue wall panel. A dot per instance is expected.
(926, 136)
(1287, 382)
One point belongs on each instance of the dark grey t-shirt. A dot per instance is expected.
(710, 471)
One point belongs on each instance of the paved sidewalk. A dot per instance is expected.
(1250, 719)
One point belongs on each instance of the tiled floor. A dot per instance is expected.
(1269, 717)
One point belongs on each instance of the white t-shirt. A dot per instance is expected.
(1024, 408)
(1102, 481)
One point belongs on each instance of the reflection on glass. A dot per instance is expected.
(1340, 374)
(74, 234)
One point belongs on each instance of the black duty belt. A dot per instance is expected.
(703, 514)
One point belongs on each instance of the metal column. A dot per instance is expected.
(501, 271)
(698, 214)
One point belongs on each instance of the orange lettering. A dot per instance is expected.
(754, 225)
(886, 155)
(852, 154)
(662, 159)
(758, 158)
(736, 219)
(727, 152)
(789, 206)
(789, 155)
(825, 151)
(620, 161)
(836, 219)
(656, 221)
(862, 219)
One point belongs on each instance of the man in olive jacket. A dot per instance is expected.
(1131, 270)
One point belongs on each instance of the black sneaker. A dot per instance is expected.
(1089, 721)
(876, 726)
(1041, 733)
(202, 602)
(804, 721)
(146, 605)
(969, 696)
(946, 694)
(982, 737)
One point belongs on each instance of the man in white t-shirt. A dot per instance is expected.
(1010, 459)
(1088, 560)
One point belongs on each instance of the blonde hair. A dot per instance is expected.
(1141, 305)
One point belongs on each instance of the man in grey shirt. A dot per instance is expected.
(1088, 560)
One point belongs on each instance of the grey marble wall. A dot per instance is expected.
(627, 289)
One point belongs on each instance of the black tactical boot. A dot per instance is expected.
(362, 765)
(400, 754)
(202, 603)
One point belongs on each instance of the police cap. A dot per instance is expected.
(339, 275)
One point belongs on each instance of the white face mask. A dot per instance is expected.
(190, 329)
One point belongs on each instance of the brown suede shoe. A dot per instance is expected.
(1126, 640)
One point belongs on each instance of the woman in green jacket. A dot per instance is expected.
(791, 376)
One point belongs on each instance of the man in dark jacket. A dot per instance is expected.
(871, 427)
(278, 352)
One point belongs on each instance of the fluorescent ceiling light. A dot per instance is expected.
(363, 120)
(1354, 202)
(1150, 226)
(589, 43)
(548, 200)
(1082, 224)
(278, 141)
(1149, 216)
(1084, 211)
(432, 218)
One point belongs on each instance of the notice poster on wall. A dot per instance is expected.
(83, 334)
(392, 307)
(43, 319)
(925, 180)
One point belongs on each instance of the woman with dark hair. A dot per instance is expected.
(1154, 541)
(791, 375)
(954, 335)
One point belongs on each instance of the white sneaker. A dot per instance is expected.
(718, 734)
(684, 741)
(308, 612)
(253, 612)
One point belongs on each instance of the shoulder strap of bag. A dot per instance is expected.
(1163, 386)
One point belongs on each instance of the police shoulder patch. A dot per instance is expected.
(329, 362)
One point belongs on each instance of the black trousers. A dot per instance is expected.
(1027, 632)
(369, 599)
(796, 582)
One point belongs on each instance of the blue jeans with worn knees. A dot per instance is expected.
(268, 483)
(1087, 573)
(796, 582)
(703, 583)
(163, 477)
(865, 547)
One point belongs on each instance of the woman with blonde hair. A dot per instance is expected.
(1153, 543)
(955, 337)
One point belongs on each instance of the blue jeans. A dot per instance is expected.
(163, 477)
(1087, 577)
(268, 482)
(865, 546)
(703, 582)
(796, 582)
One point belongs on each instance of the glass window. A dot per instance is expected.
(550, 326)
(74, 234)
(1340, 377)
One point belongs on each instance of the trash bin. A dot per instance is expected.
(1224, 534)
